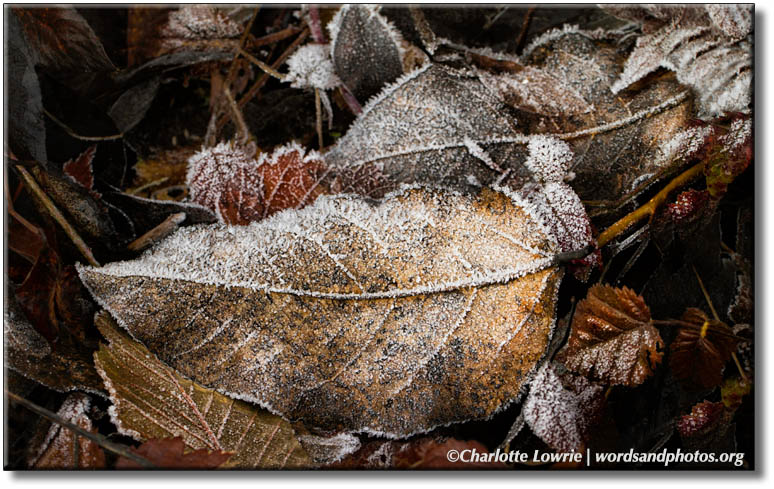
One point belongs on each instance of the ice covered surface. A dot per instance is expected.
(197, 22)
(366, 49)
(389, 318)
(311, 67)
(560, 414)
(240, 189)
(708, 51)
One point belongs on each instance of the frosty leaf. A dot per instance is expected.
(728, 154)
(60, 450)
(311, 67)
(240, 189)
(197, 27)
(535, 90)
(701, 349)
(707, 52)
(561, 408)
(612, 338)
(708, 428)
(168, 453)
(366, 49)
(428, 308)
(150, 400)
(702, 417)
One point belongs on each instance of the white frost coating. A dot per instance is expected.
(311, 67)
(329, 449)
(738, 134)
(549, 158)
(74, 410)
(217, 254)
(558, 415)
(334, 26)
(683, 144)
(388, 90)
(558, 33)
(734, 20)
(200, 22)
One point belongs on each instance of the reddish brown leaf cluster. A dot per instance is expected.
(727, 152)
(612, 338)
(168, 453)
(687, 205)
(241, 190)
(701, 349)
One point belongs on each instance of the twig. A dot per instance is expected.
(315, 25)
(352, 103)
(569, 256)
(260, 64)
(237, 116)
(101, 440)
(167, 227)
(524, 28)
(51, 208)
(78, 136)
(318, 110)
(649, 208)
(275, 36)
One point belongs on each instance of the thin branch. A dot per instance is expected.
(167, 227)
(101, 440)
(275, 36)
(78, 136)
(51, 208)
(260, 64)
(318, 113)
(237, 116)
(649, 208)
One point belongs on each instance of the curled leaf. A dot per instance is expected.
(701, 349)
(612, 338)
(152, 401)
(394, 317)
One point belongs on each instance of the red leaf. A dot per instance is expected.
(80, 170)
(240, 189)
(612, 338)
(168, 453)
(704, 416)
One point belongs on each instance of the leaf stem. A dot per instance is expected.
(101, 440)
(51, 208)
(649, 208)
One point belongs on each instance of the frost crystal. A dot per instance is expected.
(549, 158)
(560, 415)
(311, 67)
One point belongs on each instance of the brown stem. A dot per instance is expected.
(649, 208)
(318, 114)
(158, 233)
(120, 450)
(51, 208)
(260, 64)
(78, 136)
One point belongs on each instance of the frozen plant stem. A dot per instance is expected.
(318, 112)
(649, 208)
(100, 440)
(48, 204)
(260, 64)
(158, 233)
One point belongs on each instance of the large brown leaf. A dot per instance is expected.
(429, 308)
(151, 401)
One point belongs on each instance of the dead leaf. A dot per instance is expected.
(612, 338)
(707, 50)
(63, 41)
(562, 408)
(79, 169)
(428, 308)
(442, 126)
(366, 49)
(65, 367)
(708, 428)
(168, 453)
(701, 349)
(733, 390)
(240, 189)
(63, 449)
(151, 401)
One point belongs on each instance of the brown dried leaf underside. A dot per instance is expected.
(427, 309)
(612, 338)
(152, 401)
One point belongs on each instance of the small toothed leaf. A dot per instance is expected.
(612, 338)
